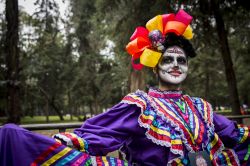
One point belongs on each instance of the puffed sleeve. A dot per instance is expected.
(110, 130)
(233, 136)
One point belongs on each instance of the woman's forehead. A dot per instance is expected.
(174, 51)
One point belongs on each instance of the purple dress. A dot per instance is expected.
(155, 128)
(20, 147)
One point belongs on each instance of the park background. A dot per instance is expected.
(63, 60)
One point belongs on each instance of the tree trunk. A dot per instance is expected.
(226, 56)
(58, 111)
(70, 108)
(12, 62)
(52, 103)
(47, 110)
(207, 87)
(91, 109)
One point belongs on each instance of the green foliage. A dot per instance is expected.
(85, 68)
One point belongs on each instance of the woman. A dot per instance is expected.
(165, 126)
(161, 127)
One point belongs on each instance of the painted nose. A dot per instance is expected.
(175, 63)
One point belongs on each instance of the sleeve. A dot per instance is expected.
(233, 136)
(108, 131)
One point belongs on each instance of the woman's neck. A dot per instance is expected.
(169, 87)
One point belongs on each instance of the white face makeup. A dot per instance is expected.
(173, 66)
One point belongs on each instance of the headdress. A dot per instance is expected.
(146, 44)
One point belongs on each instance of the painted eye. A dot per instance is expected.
(167, 60)
(182, 60)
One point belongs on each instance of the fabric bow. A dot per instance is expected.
(142, 47)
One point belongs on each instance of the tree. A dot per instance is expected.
(226, 56)
(12, 62)
(43, 61)
(88, 69)
(2, 66)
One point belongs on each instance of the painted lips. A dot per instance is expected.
(175, 73)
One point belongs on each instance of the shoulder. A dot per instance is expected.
(199, 101)
(138, 98)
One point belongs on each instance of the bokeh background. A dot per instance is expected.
(63, 60)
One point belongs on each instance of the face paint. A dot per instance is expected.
(173, 66)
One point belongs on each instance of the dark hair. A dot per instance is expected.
(172, 39)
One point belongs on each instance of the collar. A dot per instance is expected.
(154, 92)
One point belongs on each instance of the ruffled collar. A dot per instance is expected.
(154, 92)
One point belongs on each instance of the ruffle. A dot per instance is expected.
(243, 133)
(164, 94)
(206, 112)
(161, 135)
(172, 124)
(142, 100)
(106, 160)
(72, 140)
(226, 157)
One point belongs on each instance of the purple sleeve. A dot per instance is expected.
(226, 129)
(233, 136)
(110, 130)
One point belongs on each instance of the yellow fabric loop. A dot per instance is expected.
(150, 58)
(188, 34)
(155, 24)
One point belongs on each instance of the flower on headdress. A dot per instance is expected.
(146, 43)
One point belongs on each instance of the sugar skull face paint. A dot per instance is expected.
(173, 67)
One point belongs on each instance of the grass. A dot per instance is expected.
(42, 119)
(56, 119)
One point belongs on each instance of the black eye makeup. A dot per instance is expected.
(170, 59)
(167, 60)
(182, 60)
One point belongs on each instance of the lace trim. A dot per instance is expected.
(209, 124)
(147, 126)
(164, 94)
(156, 90)
(72, 140)
(93, 160)
(211, 130)
(172, 124)
(154, 140)
(124, 156)
(235, 156)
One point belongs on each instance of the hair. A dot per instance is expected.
(172, 39)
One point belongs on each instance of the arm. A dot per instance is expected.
(233, 136)
(108, 131)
